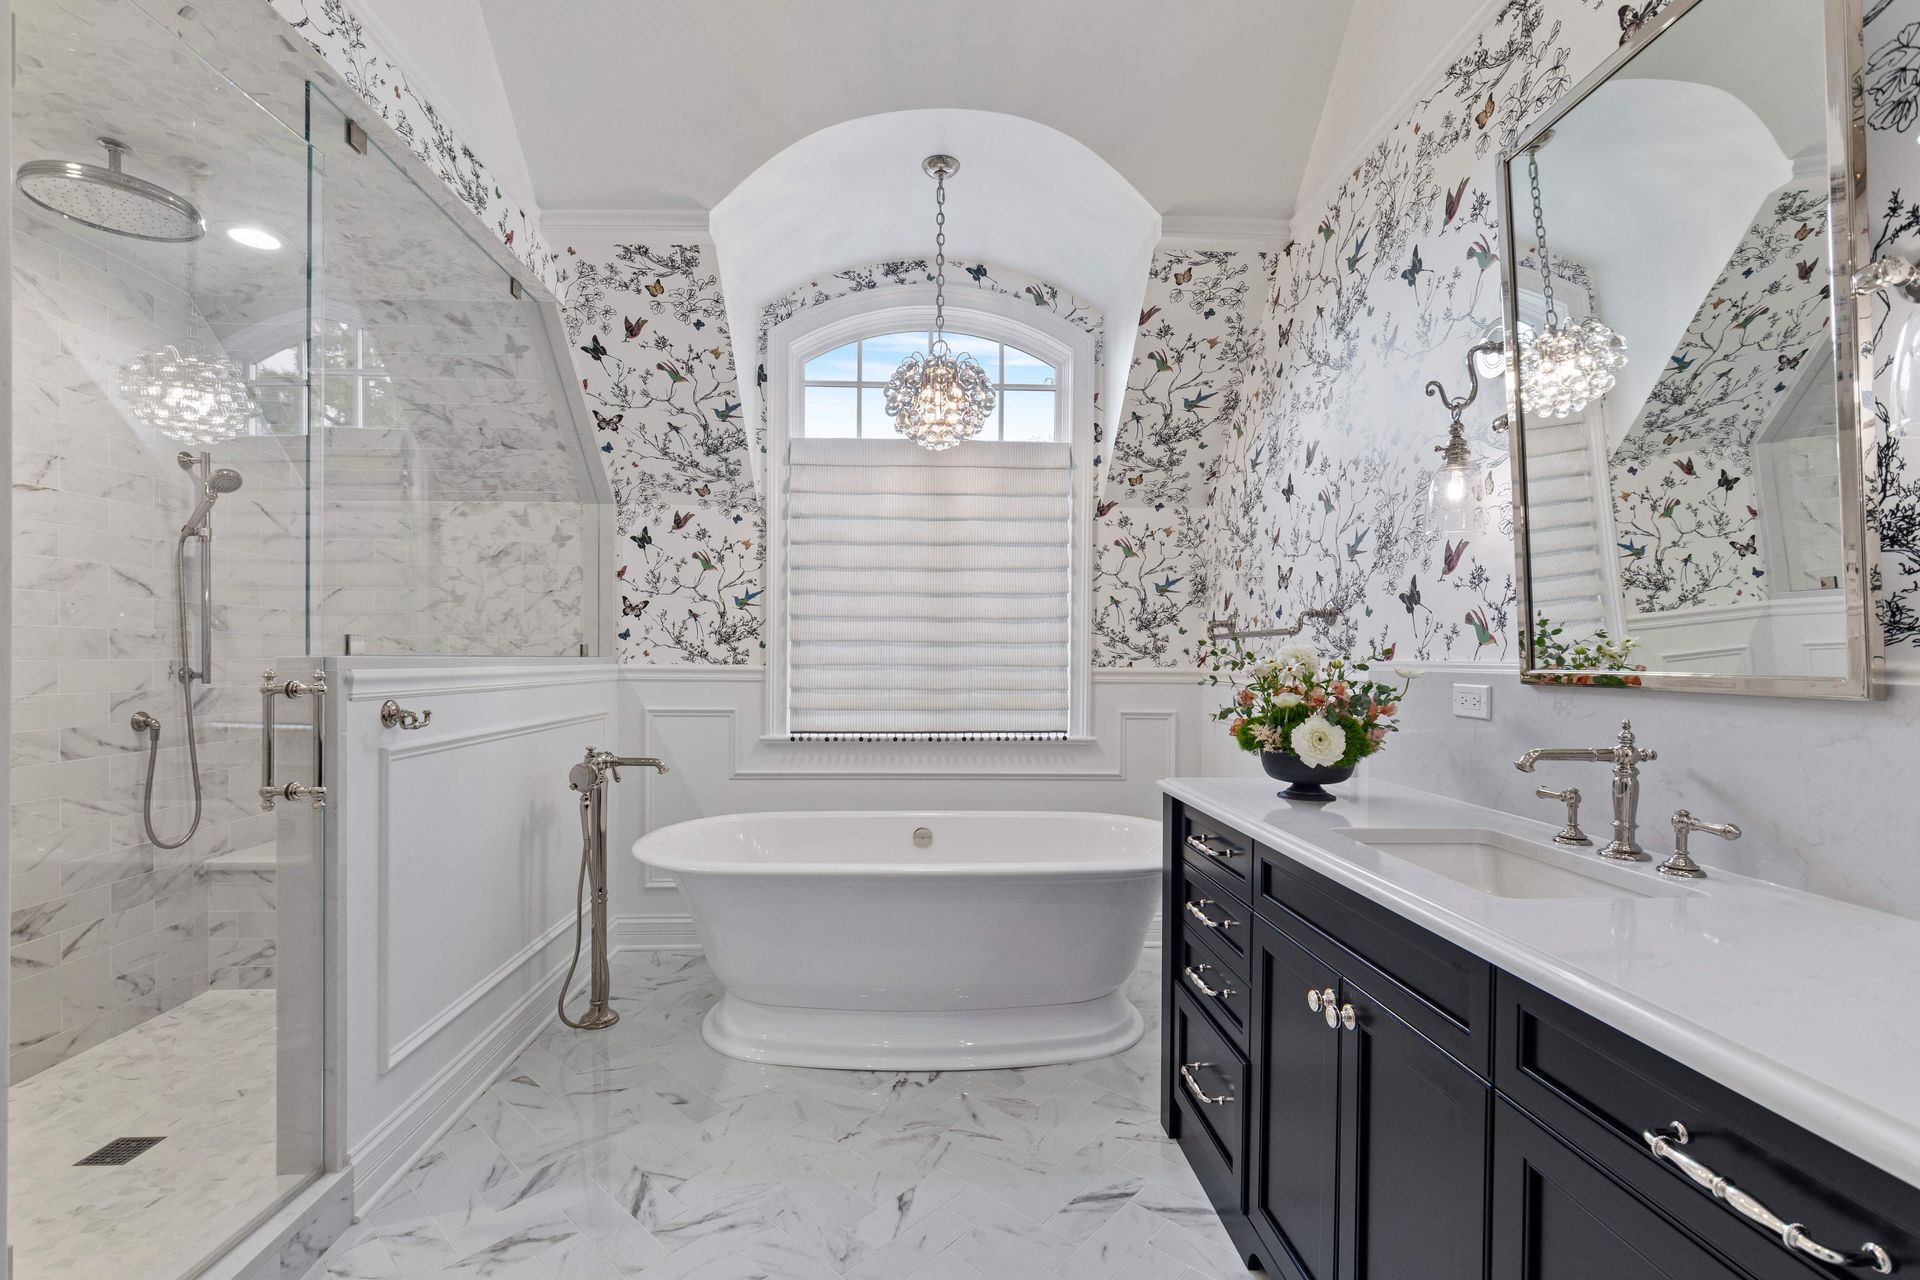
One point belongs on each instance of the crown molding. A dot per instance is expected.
(1205, 231)
(676, 222)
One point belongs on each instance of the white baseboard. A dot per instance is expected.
(385, 1155)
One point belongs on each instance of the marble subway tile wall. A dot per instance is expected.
(108, 930)
(453, 520)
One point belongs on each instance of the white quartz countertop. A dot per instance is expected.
(1808, 1006)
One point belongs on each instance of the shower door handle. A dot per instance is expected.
(271, 689)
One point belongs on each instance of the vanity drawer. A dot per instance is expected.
(1435, 987)
(1216, 984)
(1210, 1091)
(1208, 910)
(1216, 848)
(1603, 1090)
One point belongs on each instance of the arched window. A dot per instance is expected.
(846, 388)
(920, 595)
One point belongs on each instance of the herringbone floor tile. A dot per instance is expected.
(639, 1152)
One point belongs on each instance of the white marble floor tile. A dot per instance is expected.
(201, 1076)
(639, 1152)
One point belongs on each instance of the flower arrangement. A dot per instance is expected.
(1329, 713)
(1597, 660)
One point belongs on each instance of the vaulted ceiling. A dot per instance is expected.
(1209, 110)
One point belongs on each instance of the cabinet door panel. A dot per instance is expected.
(1295, 1192)
(1556, 1217)
(1414, 1137)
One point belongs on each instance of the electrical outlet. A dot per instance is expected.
(1473, 701)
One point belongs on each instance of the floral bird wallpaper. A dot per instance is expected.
(656, 362)
(1685, 478)
(1386, 284)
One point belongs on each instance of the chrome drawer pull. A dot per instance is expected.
(1199, 845)
(1194, 910)
(1194, 977)
(1193, 1086)
(1666, 1146)
(1326, 1003)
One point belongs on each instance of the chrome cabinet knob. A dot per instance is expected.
(1348, 1019)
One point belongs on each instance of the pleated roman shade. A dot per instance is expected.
(928, 594)
(1564, 529)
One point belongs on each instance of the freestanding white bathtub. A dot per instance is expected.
(985, 940)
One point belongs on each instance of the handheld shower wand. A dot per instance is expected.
(198, 529)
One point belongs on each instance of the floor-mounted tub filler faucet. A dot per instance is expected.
(590, 778)
(1626, 759)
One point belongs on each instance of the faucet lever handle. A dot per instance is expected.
(1571, 834)
(1681, 865)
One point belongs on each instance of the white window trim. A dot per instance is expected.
(900, 308)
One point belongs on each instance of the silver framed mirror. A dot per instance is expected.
(1690, 413)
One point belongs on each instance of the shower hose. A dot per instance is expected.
(186, 692)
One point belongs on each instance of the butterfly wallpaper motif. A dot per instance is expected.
(656, 363)
(1152, 580)
(338, 35)
(1893, 170)
(1386, 284)
(1686, 504)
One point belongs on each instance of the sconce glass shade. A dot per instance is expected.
(192, 399)
(1451, 498)
(1564, 368)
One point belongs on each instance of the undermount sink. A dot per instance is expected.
(1505, 866)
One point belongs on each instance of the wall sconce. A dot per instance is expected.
(1902, 276)
(1453, 494)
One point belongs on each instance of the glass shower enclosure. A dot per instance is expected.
(275, 404)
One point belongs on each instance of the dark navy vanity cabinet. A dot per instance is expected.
(1364, 1100)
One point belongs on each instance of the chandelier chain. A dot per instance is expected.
(939, 263)
(1540, 236)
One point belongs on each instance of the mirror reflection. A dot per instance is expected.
(1682, 481)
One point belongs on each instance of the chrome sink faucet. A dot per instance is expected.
(1626, 759)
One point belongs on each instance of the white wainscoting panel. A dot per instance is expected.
(458, 928)
(457, 849)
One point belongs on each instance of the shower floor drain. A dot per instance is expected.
(120, 1151)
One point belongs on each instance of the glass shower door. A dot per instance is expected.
(165, 1037)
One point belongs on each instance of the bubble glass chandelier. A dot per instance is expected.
(1563, 367)
(939, 399)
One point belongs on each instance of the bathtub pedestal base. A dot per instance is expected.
(960, 1040)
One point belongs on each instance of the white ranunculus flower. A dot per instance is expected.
(1300, 655)
(1284, 700)
(1405, 673)
(1264, 668)
(1318, 742)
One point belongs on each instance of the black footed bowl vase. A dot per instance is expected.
(1309, 782)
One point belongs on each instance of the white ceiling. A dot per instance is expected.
(1208, 110)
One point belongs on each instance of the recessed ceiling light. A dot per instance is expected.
(253, 238)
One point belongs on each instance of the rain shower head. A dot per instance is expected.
(107, 199)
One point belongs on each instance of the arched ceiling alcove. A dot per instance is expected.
(1027, 196)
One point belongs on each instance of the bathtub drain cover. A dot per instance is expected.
(120, 1151)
